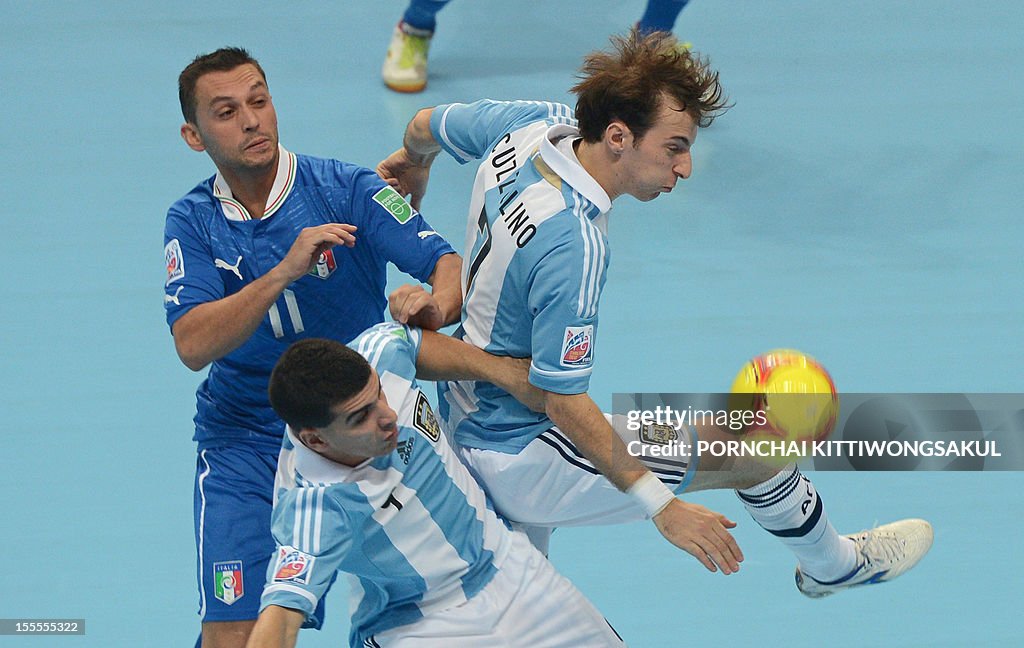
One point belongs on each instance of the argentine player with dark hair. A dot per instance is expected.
(537, 254)
(368, 485)
(274, 248)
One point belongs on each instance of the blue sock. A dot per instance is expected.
(421, 14)
(661, 15)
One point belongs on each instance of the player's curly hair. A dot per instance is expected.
(223, 60)
(311, 377)
(628, 82)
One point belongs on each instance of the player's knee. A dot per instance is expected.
(226, 634)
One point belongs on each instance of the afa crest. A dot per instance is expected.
(658, 434)
(424, 419)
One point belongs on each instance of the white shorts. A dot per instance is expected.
(527, 603)
(551, 484)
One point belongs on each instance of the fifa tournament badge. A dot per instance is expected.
(227, 581)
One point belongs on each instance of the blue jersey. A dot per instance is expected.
(412, 529)
(213, 249)
(536, 256)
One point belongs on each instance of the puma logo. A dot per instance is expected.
(424, 235)
(173, 299)
(223, 265)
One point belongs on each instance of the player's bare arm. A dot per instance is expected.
(413, 305)
(276, 627)
(445, 358)
(214, 329)
(691, 527)
(408, 168)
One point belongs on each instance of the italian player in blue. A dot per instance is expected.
(537, 253)
(367, 484)
(274, 248)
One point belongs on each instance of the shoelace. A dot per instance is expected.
(884, 549)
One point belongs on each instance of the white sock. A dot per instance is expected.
(788, 506)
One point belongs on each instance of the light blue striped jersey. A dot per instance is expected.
(535, 261)
(412, 529)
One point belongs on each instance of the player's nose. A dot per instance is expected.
(684, 167)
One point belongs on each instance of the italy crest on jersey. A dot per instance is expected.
(578, 346)
(293, 566)
(227, 581)
(325, 265)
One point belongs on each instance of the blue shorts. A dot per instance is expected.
(234, 495)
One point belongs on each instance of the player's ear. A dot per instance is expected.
(617, 137)
(311, 438)
(191, 135)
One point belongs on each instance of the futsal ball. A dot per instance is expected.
(791, 395)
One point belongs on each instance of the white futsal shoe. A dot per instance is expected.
(883, 553)
(405, 67)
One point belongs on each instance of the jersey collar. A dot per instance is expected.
(317, 468)
(283, 183)
(568, 167)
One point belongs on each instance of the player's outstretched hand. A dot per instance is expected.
(414, 306)
(702, 533)
(407, 178)
(310, 244)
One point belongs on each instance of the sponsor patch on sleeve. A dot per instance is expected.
(578, 346)
(424, 420)
(396, 205)
(175, 262)
(293, 566)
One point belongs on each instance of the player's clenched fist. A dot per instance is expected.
(406, 176)
(415, 306)
(310, 244)
(702, 533)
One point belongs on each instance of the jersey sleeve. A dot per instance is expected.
(469, 131)
(396, 231)
(564, 292)
(192, 278)
(313, 535)
(392, 347)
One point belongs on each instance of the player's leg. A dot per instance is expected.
(233, 501)
(660, 15)
(527, 603)
(786, 504)
(405, 66)
(551, 484)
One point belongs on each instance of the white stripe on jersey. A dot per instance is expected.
(496, 537)
(309, 513)
(285, 587)
(466, 157)
(202, 531)
(544, 201)
(595, 250)
(555, 374)
(420, 539)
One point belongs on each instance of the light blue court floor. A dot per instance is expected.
(863, 202)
